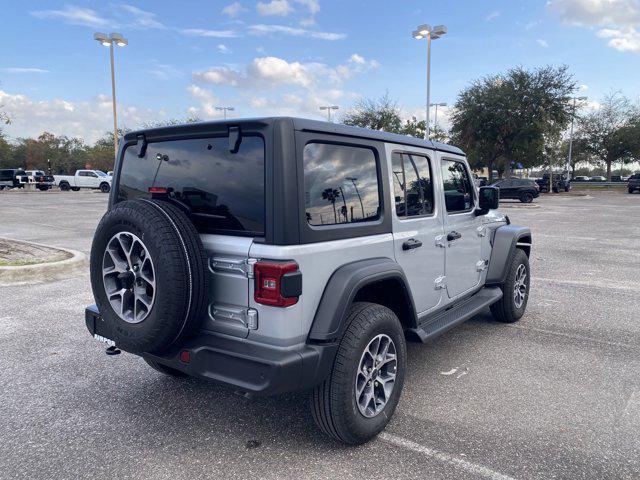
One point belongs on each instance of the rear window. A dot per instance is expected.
(223, 191)
(6, 174)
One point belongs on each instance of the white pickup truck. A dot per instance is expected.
(84, 179)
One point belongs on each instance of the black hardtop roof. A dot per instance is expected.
(302, 124)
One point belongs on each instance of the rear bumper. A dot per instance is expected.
(250, 367)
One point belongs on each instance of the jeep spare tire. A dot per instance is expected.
(148, 275)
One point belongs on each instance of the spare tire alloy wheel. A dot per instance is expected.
(376, 375)
(129, 277)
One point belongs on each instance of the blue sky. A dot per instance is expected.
(290, 56)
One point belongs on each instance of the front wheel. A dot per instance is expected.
(359, 397)
(515, 290)
(64, 186)
(75, 189)
(105, 187)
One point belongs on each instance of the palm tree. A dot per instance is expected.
(331, 195)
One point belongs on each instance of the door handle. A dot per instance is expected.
(411, 244)
(451, 236)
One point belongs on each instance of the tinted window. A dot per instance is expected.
(340, 184)
(458, 189)
(223, 191)
(412, 186)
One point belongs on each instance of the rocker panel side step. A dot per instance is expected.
(436, 324)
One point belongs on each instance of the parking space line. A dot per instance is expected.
(470, 467)
(606, 284)
(572, 336)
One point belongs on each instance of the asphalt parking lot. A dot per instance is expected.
(555, 396)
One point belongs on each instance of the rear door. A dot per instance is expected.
(463, 230)
(224, 195)
(417, 225)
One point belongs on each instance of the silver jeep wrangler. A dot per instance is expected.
(283, 254)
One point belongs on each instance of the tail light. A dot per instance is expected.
(278, 284)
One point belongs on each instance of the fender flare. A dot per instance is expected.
(505, 241)
(341, 289)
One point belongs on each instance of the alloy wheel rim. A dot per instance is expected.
(376, 375)
(129, 277)
(520, 287)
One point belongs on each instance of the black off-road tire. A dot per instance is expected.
(526, 198)
(105, 187)
(179, 261)
(64, 186)
(75, 189)
(159, 367)
(506, 310)
(333, 402)
(630, 190)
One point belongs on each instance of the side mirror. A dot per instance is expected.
(489, 199)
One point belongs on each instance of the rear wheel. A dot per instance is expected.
(172, 372)
(515, 290)
(526, 198)
(631, 190)
(75, 189)
(64, 186)
(360, 396)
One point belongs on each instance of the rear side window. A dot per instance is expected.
(341, 184)
(412, 187)
(458, 189)
(224, 192)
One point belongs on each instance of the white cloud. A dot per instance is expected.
(208, 102)
(272, 72)
(312, 5)
(531, 25)
(23, 70)
(142, 18)
(543, 43)
(75, 15)
(597, 12)
(492, 16)
(163, 71)
(620, 17)
(261, 29)
(200, 32)
(222, 48)
(280, 8)
(623, 40)
(234, 9)
(88, 119)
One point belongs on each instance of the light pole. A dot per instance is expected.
(430, 33)
(109, 41)
(225, 110)
(328, 108)
(573, 116)
(435, 123)
(353, 180)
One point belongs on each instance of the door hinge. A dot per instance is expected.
(236, 265)
(440, 241)
(247, 317)
(441, 283)
(482, 265)
(482, 231)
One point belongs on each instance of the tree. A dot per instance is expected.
(331, 195)
(612, 132)
(382, 114)
(503, 119)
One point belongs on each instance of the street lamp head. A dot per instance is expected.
(103, 38)
(439, 30)
(417, 35)
(424, 30)
(582, 99)
(119, 39)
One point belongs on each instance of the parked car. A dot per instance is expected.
(38, 178)
(218, 231)
(598, 178)
(84, 179)
(521, 189)
(560, 182)
(580, 178)
(10, 178)
(634, 183)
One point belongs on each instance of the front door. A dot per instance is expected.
(417, 227)
(464, 243)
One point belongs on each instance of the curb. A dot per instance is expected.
(515, 205)
(43, 272)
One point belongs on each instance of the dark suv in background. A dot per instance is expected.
(518, 189)
(633, 183)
